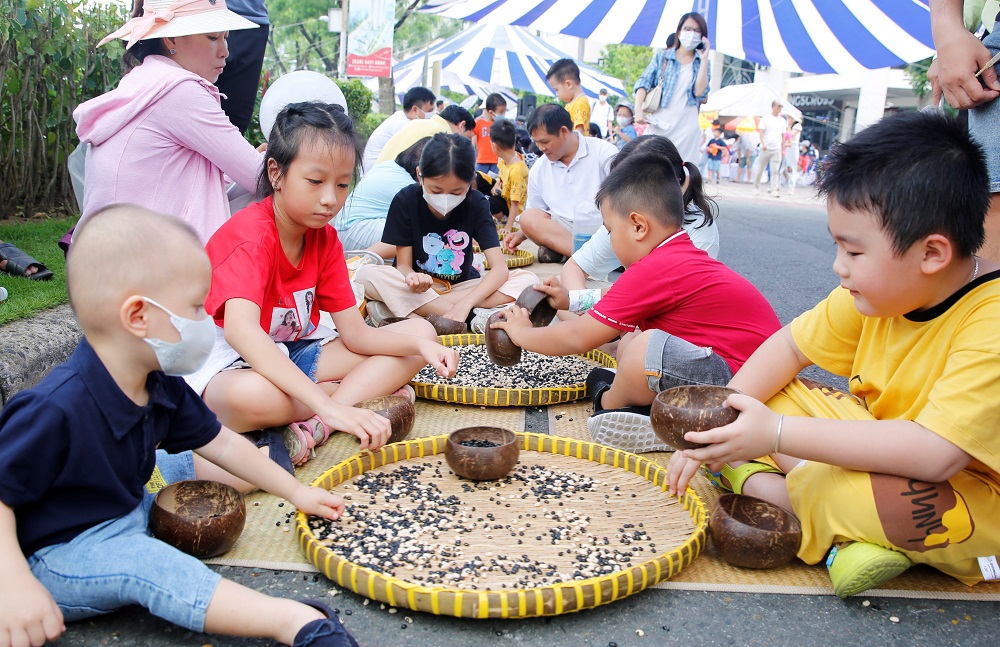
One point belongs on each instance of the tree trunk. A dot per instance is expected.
(386, 95)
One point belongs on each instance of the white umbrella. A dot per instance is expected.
(751, 99)
(409, 76)
(511, 57)
(820, 36)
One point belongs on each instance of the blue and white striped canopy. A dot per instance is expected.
(819, 36)
(405, 77)
(511, 57)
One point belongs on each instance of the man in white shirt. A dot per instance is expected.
(418, 103)
(601, 113)
(772, 142)
(569, 172)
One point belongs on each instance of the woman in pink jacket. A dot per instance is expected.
(160, 139)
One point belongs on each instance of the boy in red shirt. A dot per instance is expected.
(685, 317)
(493, 111)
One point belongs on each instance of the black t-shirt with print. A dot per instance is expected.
(441, 248)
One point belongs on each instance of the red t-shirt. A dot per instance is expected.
(486, 154)
(683, 291)
(249, 263)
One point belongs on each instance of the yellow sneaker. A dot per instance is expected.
(860, 566)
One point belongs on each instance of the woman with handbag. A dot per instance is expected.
(674, 84)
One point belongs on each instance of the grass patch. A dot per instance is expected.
(38, 238)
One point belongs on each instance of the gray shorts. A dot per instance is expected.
(984, 122)
(672, 361)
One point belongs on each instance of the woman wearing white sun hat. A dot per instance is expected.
(160, 139)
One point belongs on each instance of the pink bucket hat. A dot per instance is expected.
(170, 18)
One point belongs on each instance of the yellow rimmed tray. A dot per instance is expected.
(687, 513)
(502, 397)
(520, 258)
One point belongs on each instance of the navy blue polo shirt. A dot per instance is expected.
(75, 451)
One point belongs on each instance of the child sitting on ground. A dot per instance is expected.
(265, 260)
(77, 450)
(433, 225)
(699, 320)
(564, 79)
(905, 469)
(513, 185)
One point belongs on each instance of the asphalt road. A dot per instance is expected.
(783, 247)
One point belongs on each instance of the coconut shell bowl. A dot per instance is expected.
(397, 409)
(682, 409)
(540, 311)
(753, 533)
(201, 518)
(482, 453)
(499, 346)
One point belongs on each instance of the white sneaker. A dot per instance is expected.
(756, 191)
(478, 324)
(378, 312)
(628, 429)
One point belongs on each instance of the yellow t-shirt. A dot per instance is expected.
(579, 112)
(939, 368)
(514, 180)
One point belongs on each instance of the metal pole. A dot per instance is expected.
(342, 67)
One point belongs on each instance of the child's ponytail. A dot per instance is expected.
(695, 200)
(310, 121)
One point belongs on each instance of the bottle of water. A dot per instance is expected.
(3, 294)
(586, 220)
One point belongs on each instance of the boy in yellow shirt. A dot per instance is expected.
(564, 79)
(906, 468)
(513, 184)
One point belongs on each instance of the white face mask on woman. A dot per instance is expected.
(690, 40)
(190, 353)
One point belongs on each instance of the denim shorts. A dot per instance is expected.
(305, 354)
(117, 563)
(714, 165)
(672, 361)
(984, 122)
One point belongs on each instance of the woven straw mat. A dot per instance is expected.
(267, 546)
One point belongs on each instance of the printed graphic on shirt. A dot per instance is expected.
(284, 324)
(304, 300)
(446, 255)
(921, 516)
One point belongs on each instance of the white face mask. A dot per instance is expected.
(190, 353)
(443, 203)
(624, 121)
(690, 40)
(429, 115)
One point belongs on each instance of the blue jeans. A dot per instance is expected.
(984, 122)
(117, 563)
(672, 361)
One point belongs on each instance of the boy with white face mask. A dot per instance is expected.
(112, 421)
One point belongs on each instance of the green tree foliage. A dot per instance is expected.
(625, 62)
(917, 74)
(49, 64)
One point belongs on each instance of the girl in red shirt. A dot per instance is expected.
(279, 261)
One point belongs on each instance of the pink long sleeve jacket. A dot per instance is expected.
(161, 140)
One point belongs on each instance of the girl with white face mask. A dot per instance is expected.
(681, 76)
(433, 225)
